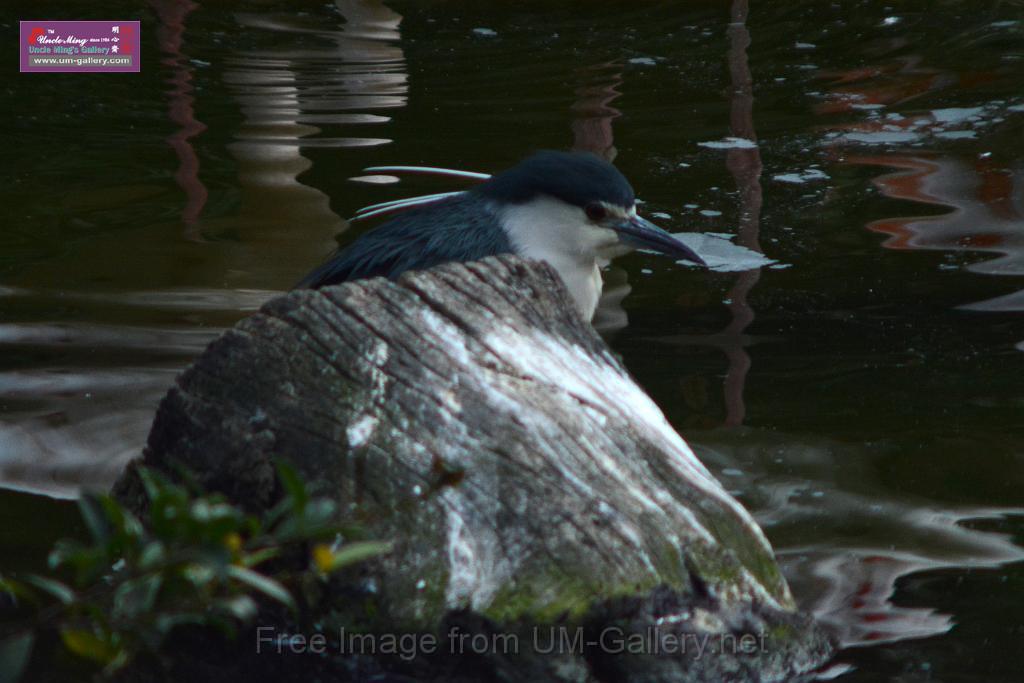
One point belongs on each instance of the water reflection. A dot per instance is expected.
(70, 430)
(181, 110)
(984, 197)
(744, 163)
(986, 202)
(305, 76)
(100, 311)
(890, 83)
(88, 353)
(594, 115)
(825, 509)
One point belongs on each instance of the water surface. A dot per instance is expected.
(861, 394)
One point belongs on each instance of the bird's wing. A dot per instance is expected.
(461, 228)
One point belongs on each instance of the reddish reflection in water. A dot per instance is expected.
(745, 166)
(971, 203)
(892, 83)
(987, 211)
(852, 591)
(592, 126)
(843, 538)
(984, 197)
(181, 110)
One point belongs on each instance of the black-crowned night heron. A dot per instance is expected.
(572, 210)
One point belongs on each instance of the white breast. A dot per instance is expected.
(546, 229)
(584, 283)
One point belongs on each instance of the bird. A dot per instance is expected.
(573, 210)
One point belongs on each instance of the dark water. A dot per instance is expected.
(862, 394)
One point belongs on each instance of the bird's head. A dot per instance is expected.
(575, 205)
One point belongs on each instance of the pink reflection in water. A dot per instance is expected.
(985, 199)
(592, 126)
(745, 166)
(181, 109)
(892, 83)
(987, 211)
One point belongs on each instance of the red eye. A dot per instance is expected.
(596, 211)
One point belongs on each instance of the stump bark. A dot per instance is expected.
(468, 414)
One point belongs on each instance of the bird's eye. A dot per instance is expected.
(596, 211)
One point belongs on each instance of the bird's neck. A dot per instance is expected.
(547, 229)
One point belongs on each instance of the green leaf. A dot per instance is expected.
(151, 482)
(136, 596)
(293, 486)
(152, 555)
(259, 556)
(98, 648)
(241, 607)
(58, 590)
(129, 529)
(167, 504)
(17, 589)
(328, 560)
(166, 622)
(319, 515)
(263, 584)
(199, 574)
(66, 551)
(88, 561)
(14, 655)
(315, 520)
(222, 623)
(95, 517)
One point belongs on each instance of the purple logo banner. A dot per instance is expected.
(79, 46)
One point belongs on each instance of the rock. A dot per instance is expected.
(468, 414)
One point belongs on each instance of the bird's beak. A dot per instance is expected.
(640, 233)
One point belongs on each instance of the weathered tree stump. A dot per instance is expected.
(470, 415)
